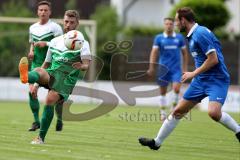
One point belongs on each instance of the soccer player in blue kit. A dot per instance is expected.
(210, 78)
(166, 50)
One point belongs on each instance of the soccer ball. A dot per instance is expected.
(74, 40)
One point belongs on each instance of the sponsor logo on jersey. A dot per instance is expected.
(194, 54)
(62, 59)
(175, 40)
(170, 47)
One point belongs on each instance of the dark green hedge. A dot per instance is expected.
(107, 30)
(13, 37)
(210, 13)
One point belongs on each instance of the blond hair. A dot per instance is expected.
(72, 13)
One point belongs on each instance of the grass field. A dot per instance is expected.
(114, 137)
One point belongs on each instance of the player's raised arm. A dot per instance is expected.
(85, 58)
(57, 31)
(211, 61)
(45, 65)
(41, 44)
(84, 65)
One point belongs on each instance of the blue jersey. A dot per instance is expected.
(170, 49)
(201, 42)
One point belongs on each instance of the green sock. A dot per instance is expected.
(47, 117)
(58, 110)
(33, 76)
(34, 105)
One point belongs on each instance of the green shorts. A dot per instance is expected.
(35, 65)
(61, 82)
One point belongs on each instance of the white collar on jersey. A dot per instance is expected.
(192, 29)
(165, 35)
(45, 23)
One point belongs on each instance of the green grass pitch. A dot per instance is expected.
(114, 137)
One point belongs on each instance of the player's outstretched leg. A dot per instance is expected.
(238, 136)
(23, 69)
(168, 125)
(214, 111)
(227, 121)
(166, 129)
(148, 142)
(25, 76)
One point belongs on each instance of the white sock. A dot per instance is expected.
(168, 125)
(175, 97)
(163, 115)
(229, 122)
(163, 112)
(163, 101)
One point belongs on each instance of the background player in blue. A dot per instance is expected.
(166, 50)
(210, 78)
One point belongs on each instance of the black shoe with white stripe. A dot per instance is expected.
(35, 126)
(148, 142)
(238, 136)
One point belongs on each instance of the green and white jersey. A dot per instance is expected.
(61, 58)
(45, 32)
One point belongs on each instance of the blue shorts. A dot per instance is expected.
(163, 79)
(215, 89)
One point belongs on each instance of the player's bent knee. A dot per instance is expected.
(52, 100)
(38, 69)
(177, 114)
(177, 90)
(214, 115)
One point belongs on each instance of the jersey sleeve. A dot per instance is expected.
(57, 30)
(48, 56)
(85, 53)
(30, 36)
(205, 42)
(156, 42)
(49, 53)
(182, 42)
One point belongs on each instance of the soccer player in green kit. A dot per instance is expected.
(40, 33)
(62, 74)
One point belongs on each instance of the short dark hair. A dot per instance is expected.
(187, 13)
(72, 13)
(44, 3)
(169, 18)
